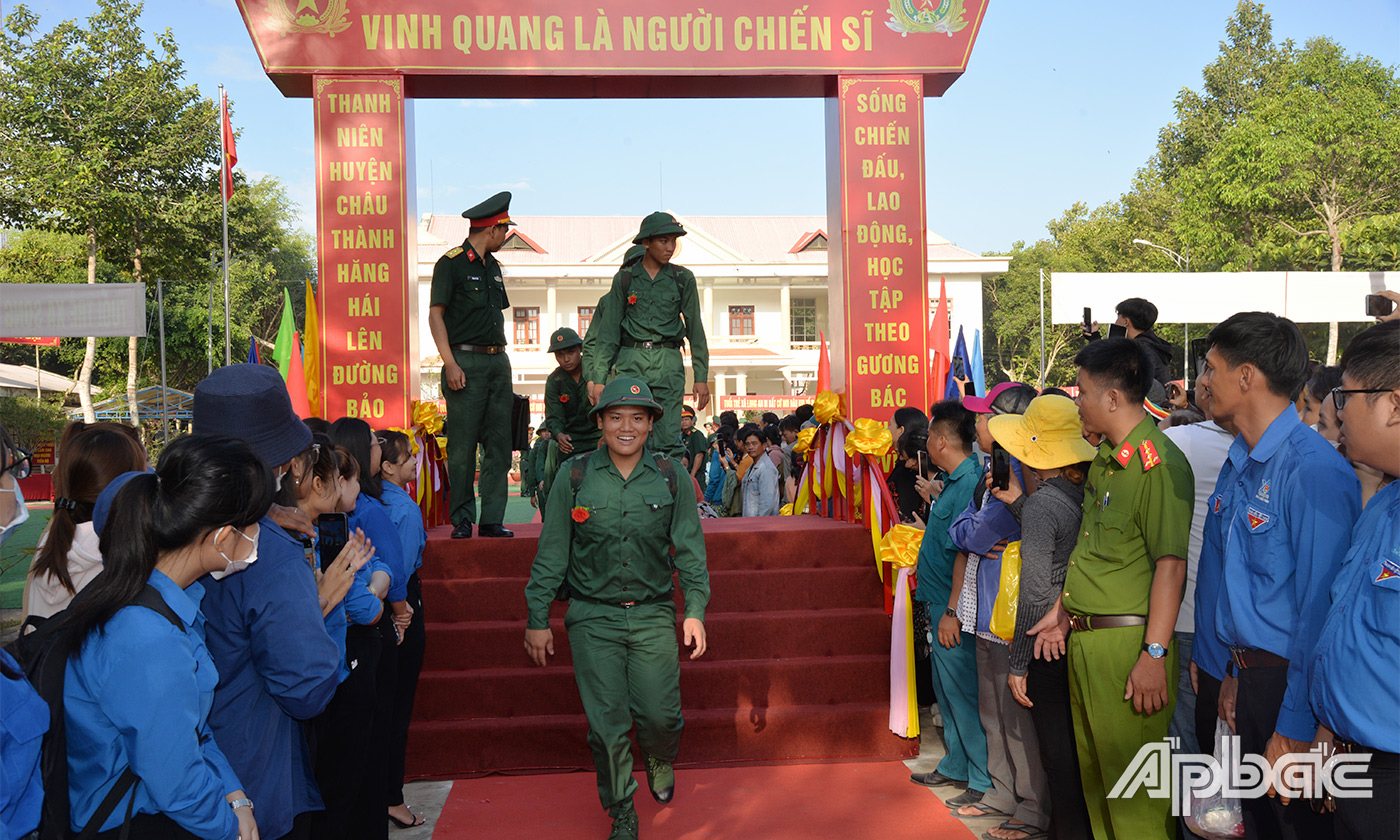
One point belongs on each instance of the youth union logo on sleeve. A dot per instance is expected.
(1263, 494)
(945, 16)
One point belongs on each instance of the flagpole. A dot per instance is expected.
(225, 175)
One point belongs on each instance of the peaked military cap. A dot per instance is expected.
(491, 212)
(658, 224)
(625, 390)
(636, 252)
(562, 339)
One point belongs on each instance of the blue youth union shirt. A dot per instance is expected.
(1357, 667)
(1284, 507)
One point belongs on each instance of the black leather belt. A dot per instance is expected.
(487, 349)
(648, 345)
(1250, 658)
(627, 605)
(1105, 622)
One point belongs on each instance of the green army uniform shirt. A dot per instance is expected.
(470, 286)
(695, 444)
(566, 408)
(1138, 502)
(652, 310)
(621, 551)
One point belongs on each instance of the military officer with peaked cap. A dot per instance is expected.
(566, 407)
(615, 515)
(652, 309)
(468, 327)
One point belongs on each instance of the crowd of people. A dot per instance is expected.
(1233, 565)
(236, 665)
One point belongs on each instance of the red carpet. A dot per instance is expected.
(797, 667)
(861, 801)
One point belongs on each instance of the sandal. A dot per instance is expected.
(986, 811)
(1030, 831)
(417, 821)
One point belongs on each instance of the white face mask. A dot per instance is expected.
(7, 529)
(237, 565)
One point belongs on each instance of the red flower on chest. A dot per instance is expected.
(631, 300)
(579, 514)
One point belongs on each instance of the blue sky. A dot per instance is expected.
(1061, 102)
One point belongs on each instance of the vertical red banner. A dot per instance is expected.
(364, 249)
(884, 260)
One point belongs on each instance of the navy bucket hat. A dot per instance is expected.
(250, 403)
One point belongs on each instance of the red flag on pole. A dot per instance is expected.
(938, 343)
(296, 381)
(823, 366)
(230, 154)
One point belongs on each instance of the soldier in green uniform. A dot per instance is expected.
(694, 443)
(537, 455)
(464, 315)
(652, 308)
(1123, 588)
(614, 516)
(590, 339)
(566, 407)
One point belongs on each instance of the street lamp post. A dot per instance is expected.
(1182, 264)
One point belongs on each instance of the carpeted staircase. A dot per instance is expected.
(797, 667)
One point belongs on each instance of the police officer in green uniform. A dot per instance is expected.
(1123, 588)
(652, 308)
(614, 516)
(566, 407)
(464, 315)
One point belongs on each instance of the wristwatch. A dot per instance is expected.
(1155, 650)
(241, 803)
(950, 612)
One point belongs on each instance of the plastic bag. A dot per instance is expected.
(1003, 622)
(1217, 817)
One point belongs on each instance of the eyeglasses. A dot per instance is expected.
(1341, 395)
(19, 466)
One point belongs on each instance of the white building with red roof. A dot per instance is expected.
(763, 295)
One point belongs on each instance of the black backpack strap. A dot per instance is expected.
(668, 472)
(126, 782)
(578, 465)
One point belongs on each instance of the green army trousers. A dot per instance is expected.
(663, 370)
(479, 415)
(627, 664)
(1108, 733)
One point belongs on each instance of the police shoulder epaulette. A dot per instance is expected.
(1150, 458)
(454, 252)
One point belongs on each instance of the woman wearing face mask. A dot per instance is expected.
(139, 688)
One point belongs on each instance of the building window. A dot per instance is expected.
(741, 320)
(585, 319)
(527, 325)
(804, 319)
(817, 243)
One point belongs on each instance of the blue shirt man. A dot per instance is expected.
(1280, 509)
(937, 551)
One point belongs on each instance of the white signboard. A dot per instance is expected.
(1210, 297)
(73, 309)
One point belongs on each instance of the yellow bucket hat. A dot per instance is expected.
(1048, 436)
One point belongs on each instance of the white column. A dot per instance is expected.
(741, 385)
(707, 306)
(551, 319)
(785, 307)
(719, 384)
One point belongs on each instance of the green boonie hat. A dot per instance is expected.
(625, 390)
(636, 252)
(563, 339)
(657, 224)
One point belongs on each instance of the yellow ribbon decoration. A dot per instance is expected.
(804, 440)
(411, 435)
(826, 409)
(900, 548)
(870, 437)
(785, 510)
(427, 417)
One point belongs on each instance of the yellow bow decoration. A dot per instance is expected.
(804, 440)
(785, 510)
(901, 546)
(427, 417)
(870, 437)
(826, 409)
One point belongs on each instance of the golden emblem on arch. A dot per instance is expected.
(307, 16)
(942, 16)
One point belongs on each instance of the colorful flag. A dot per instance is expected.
(254, 354)
(230, 153)
(296, 381)
(286, 336)
(311, 369)
(938, 343)
(979, 376)
(950, 389)
(823, 366)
